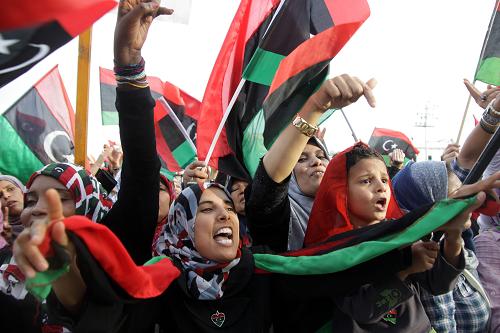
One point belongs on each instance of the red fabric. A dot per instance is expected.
(226, 75)
(394, 134)
(179, 97)
(329, 213)
(74, 16)
(51, 90)
(138, 281)
(347, 17)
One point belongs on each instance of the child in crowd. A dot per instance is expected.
(356, 193)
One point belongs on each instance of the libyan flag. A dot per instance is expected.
(31, 30)
(283, 53)
(101, 249)
(488, 70)
(385, 141)
(38, 129)
(175, 115)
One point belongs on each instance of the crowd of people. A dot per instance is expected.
(214, 230)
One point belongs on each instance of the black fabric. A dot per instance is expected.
(133, 217)
(267, 208)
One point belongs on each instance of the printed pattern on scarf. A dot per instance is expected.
(12, 280)
(90, 197)
(205, 278)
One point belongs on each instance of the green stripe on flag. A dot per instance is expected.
(387, 160)
(109, 117)
(345, 258)
(184, 154)
(262, 67)
(16, 158)
(167, 173)
(489, 71)
(253, 143)
(41, 284)
(325, 116)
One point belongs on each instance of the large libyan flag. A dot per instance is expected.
(283, 50)
(31, 30)
(489, 65)
(38, 129)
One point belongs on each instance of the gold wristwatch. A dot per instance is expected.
(304, 127)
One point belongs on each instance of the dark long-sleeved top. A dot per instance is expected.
(267, 208)
(393, 305)
(134, 215)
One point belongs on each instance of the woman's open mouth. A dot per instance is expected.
(224, 236)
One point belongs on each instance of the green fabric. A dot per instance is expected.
(489, 71)
(253, 143)
(388, 160)
(41, 284)
(109, 117)
(184, 154)
(346, 258)
(154, 260)
(325, 116)
(17, 159)
(327, 328)
(169, 174)
(262, 67)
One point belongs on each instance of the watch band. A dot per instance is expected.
(304, 127)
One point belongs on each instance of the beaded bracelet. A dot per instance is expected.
(491, 110)
(133, 75)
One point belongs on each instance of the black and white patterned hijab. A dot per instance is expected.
(205, 278)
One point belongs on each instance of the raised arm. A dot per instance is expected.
(133, 217)
(481, 134)
(335, 93)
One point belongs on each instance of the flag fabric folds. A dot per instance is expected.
(283, 66)
(385, 141)
(488, 70)
(38, 129)
(29, 31)
(175, 115)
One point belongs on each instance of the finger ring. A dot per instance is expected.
(483, 97)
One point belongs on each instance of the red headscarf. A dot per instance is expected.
(329, 213)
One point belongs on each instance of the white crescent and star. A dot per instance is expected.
(393, 145)
(43, 51)
(47, 146)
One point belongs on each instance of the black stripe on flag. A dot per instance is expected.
(39, 130)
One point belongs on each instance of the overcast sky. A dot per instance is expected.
(419, 51)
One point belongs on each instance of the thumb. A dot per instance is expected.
(59, 233)
(473, 91)
(368, 93)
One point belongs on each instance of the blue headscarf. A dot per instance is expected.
(420, 183)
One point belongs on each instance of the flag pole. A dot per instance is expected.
(350, 127)
(486, 39)
(223, 120)
(82, 96)
(235, 95)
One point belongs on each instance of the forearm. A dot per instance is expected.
(452, 248)
(70, 289)
(472, 147)
(285, 151)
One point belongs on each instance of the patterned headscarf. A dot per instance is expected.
(90, 197)
(205, 278)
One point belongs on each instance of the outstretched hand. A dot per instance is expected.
(132, 26)
(6, 227)
(26, 247)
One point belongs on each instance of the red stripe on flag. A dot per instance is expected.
(226, 74)
(388, 132)
(164, 151)
(325, 46)
(179, 97)
(347, 11)
(51, 90)
(18, 14)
